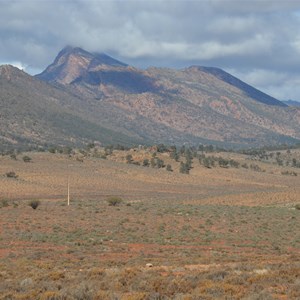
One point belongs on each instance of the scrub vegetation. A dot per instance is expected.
(134, 230)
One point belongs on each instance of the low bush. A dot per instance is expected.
(11, 174)
(26, 159)
(114, 201)
(34, 203)
(4, 203)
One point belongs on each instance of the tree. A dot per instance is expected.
(159, 163)
(146, 162)
(223, 163)
(169, 168)
(161, 148)
(184, 168)
(153, 162)
(174, 155)
(294, 162)
(128, 158)
(207, 162)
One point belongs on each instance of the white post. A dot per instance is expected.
(68, 191)
(69, 165)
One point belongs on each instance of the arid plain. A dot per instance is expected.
(216, 233)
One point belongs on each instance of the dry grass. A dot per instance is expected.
(214, 234)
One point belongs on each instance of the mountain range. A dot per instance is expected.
(83, 97)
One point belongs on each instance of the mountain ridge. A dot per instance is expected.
(290, 102)
(113, 102)
(249, 90)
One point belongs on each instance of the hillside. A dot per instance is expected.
(35, 113)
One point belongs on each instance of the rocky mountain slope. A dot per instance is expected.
(85, 97)
(33, 113)
(199, 103)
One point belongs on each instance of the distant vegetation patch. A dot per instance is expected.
(114, 201)
(11, 174)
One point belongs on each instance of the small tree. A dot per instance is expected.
(129, 158)
(146, 162)
(159, 163)
(184, 168)
(153, 162)
(174, 155)
(207, 162)
(169, 168)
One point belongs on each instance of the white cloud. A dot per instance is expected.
(16, 64)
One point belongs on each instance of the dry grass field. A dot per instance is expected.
(216, 233)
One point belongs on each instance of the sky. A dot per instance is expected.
(257, 41)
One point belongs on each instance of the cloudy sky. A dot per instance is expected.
(255, 40)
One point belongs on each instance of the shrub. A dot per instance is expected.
(4, 203)
(297, 206)
(184, 168)
(159, 163)
(169, 168)
(288, 173)
(128, 158)
(52, 150)
(175, 155)
(27, 158)
(146, 163)
(34, 203)
(11, 174)
(13, 156)
(114, 201)
(153, 162)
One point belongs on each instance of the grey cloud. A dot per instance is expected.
(247, 36)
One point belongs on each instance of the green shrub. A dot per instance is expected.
(27, 159)
(129, 159)
(169, 168)
(184, 168)
(146, 163)
(13, 156)
(34, 203)
(114, 201)
(52, 150)
(11, 174)
(4, 203)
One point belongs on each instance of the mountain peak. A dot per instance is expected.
(72, 63)
(8, 72)
(77, 51)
